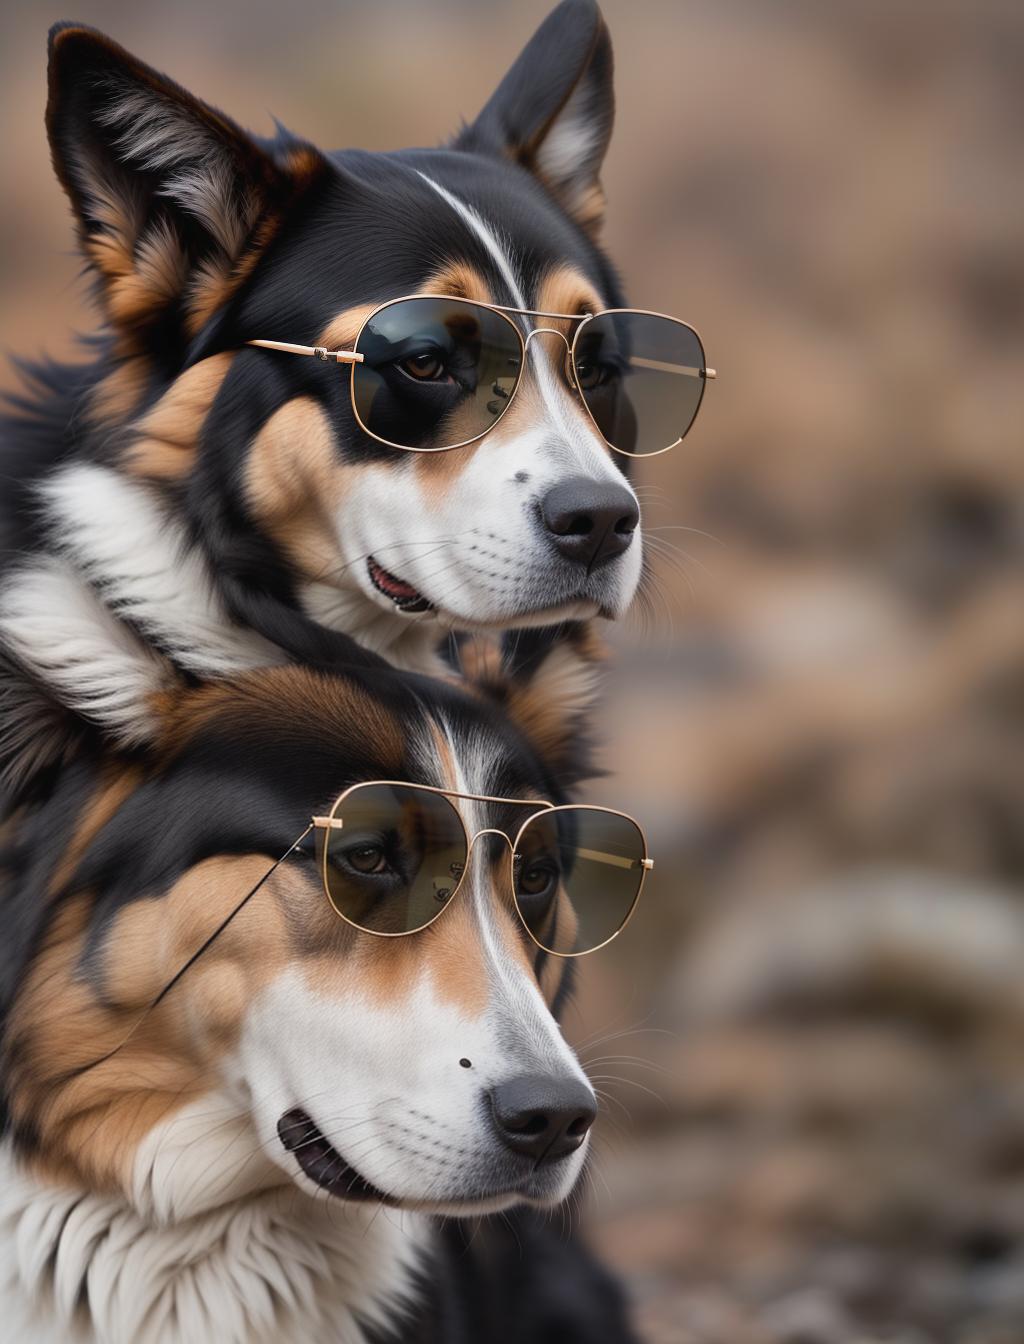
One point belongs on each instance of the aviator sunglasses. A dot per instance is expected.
(432, 373)
(393, 856)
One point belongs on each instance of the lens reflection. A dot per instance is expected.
(396, 859)
(435, 373)
(577, 873)
(641, 378)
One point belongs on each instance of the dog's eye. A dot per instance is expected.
(591, 374)
(427, 367)
(537, 877)
(365, 858)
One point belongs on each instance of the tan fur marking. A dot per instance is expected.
(91, 1123)
(458, 280)
(116, 785)
(114, 399)
(144, 275)
(216, 279)
(303, 162)
(550, 704)
(161, 263)
(455, 279)
(341, 331)
(552, 973)
(118, 212)
(589, 209)
(293, 483)
(284, 697)
(480, 660)
(169, 432)
(567, 290)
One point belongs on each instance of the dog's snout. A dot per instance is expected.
(543, 1117)
(590, 521)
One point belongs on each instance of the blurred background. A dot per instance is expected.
(810, 1037)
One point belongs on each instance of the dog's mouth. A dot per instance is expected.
(322, 1162)
(410, 601)
(402, 594)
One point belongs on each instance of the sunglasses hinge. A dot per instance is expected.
(328, 823)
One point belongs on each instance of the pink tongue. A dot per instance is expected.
(394, 587)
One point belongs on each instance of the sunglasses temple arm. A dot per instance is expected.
(228, 918)
(318, 351)
(193, 958)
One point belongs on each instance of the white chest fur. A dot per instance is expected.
(81, 1268)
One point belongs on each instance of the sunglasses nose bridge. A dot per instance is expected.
(487, 830)
(546, 331)
(552, 331)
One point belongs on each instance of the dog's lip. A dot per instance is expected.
(410, 601)
(324, 1165)
(322, 1162)
(402, 594)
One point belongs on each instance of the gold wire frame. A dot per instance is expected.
(354, 356)
(330, 821)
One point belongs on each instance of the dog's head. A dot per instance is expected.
(202, 237)
(425, 1070)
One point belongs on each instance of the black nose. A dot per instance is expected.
(590, 521)
(543, 1117)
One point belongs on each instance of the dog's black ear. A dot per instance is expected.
(554, 109)
(171, 198)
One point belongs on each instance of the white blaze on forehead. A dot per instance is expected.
(516, 998)
(566, 415)
(485, 235)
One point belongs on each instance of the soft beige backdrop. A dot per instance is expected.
(811, 1034)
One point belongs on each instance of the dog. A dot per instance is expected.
(219, 500)
(232, 1117)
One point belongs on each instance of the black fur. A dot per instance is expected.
(352, 227)
(517, 1281)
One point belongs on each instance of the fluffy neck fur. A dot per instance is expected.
(120, 554)
(77, 1267)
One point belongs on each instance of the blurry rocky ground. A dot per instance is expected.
(811, 1035)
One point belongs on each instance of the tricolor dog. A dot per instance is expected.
(238, 505)
(235, 1093)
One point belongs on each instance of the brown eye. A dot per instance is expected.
(538, 878)
(590, 374)
(365, 858)
(425, 368)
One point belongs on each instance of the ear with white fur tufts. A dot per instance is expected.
(171, 198)
(554, 109)
(548, 687)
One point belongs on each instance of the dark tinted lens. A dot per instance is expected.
(435, 372)
(641, 378)
(577, 872)
(397, 858)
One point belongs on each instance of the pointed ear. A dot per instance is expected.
(547, 681)
(170, 197)
(554, 109)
